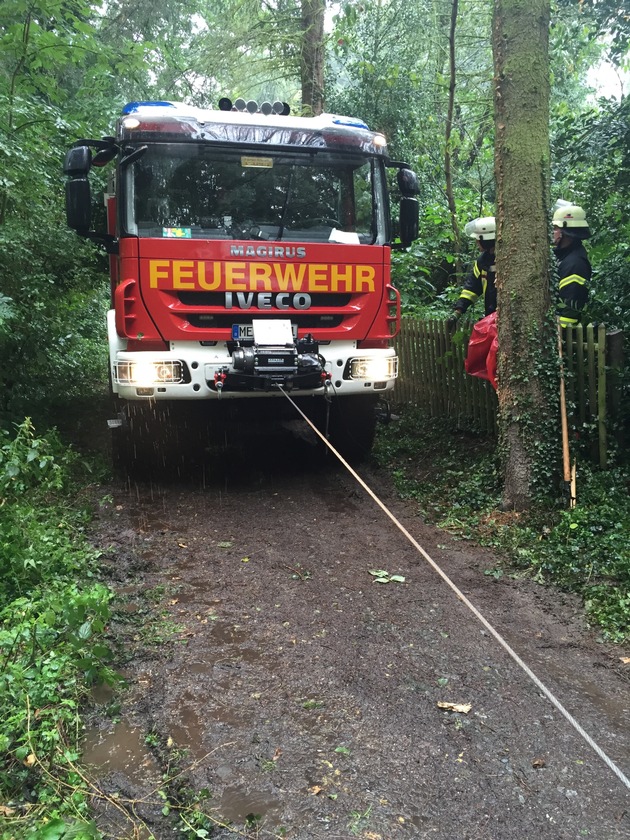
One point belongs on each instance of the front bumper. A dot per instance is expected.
(193, 371)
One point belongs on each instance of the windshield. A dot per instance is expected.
(201, 192)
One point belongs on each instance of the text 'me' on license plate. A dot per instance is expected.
(245, 332)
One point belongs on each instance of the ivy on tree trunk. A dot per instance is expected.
(312, 56)
(521, 98)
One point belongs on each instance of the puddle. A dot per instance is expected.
(102, 694)
(237, 804)
(615, 710)
(121, 750)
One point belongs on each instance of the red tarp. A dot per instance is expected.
(481, 360)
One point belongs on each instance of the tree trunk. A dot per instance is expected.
(448, 131)
(521, 98)
(312, 56)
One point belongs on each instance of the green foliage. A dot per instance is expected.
(51, 634)
(64, 73)
(59, 829)
(54, 345)
(455, 481)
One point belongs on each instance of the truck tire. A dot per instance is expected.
(352, 426)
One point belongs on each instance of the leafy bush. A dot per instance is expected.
(52, 621)
(52, 321)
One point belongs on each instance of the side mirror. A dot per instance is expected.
(408, 182)
(78, 162)
(409, 214)
(79, 205)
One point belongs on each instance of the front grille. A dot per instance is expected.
(237, 316)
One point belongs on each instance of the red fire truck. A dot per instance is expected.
(249, 256)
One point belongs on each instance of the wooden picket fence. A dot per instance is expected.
(432, 375)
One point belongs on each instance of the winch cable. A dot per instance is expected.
(499, 638)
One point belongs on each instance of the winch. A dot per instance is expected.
(259, 366)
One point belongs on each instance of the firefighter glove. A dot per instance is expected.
(452, 321)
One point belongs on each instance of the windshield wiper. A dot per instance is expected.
(132, 156)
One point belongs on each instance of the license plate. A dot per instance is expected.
(245, 332)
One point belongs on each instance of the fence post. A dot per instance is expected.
(614, 348)
(601, 394)
(581, 386)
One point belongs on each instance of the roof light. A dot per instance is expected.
(130, 122)
(379, 140)
(252, 107)
(132, 107)
(354, 122)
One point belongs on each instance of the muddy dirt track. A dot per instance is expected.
(299, 698)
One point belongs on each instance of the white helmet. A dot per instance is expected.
(572, 220)
(483, 229)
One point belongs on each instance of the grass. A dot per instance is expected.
(454, 479)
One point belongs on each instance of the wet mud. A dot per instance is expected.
(273, 684)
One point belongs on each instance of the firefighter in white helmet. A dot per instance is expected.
(574, 269)
(481, 278)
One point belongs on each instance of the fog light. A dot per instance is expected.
(374, 368)
(145, 373)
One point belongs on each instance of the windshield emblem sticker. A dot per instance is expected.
(177, 233)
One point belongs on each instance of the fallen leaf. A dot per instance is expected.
(169, 742)
(30, 760)
(625, 660)
(6, 811)
(277, 754)
(315, 790)
(464, 708)
(244, 559)
(182, 545)
(537, 763)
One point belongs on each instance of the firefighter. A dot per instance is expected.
(574, 269)
(481, 277)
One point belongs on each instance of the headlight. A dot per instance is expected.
(374, 368)
(145, 373)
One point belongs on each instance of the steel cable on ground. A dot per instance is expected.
(496, 635)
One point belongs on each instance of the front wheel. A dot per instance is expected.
(352, 425)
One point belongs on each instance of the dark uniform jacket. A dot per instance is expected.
(480, 281)
(574, 274)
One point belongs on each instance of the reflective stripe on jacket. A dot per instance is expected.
(574, 273)
(480, 282)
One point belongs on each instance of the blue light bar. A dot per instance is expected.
(132, 107)
(351, 121)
